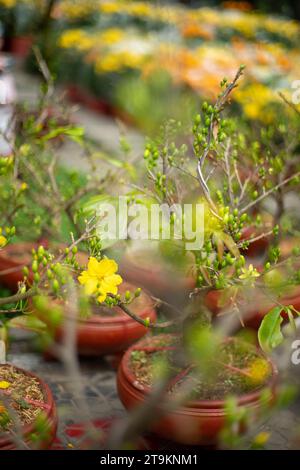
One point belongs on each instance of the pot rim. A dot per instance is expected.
(49, 400)
(243, 399)
(121, 318)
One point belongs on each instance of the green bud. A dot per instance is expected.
(35, 266)
(49, 274)
(127, 296)
(25, 271)
(55, 285)
(138, 292)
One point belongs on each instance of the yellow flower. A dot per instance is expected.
(261, 438)
(100, 278)
(3, 241)
(8, 3)
(4, 385)
(259, 370)
(75, 38)
(249, 273)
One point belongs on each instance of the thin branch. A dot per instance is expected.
(270, 191)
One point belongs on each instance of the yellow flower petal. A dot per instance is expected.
(101, 297)
(113, 279)
(3, 241)
(108, 288)
(84, 277)
(4, 385)
(91, 286)
(106, 267)
(93, 269)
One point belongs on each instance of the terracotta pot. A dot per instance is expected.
(197, 422)
(84, 97)
(100, 335)
(7, 443)
(12, 259)
(286, 246)
(257, 248)
(139, 268)
(256, 313)
(21, 45)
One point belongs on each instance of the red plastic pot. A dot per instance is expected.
(100, 335)
(198, 422)
(49, 410)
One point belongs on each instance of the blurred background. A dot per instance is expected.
(142, 61)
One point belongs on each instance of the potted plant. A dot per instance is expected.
(26, 401)
(229, 208)
(28, 417)
(204, 414)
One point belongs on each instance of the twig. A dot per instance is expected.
(270, 191)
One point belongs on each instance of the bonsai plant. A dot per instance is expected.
(49, 220)
(224, 281)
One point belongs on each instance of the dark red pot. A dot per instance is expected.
(161, 281)
(256, 248)
(12, 259)
(6, 443)
(17, 255)
(21, 46)
(198, 422)
(100, 335)
(254, 317)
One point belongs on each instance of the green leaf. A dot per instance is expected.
(269, 333)
(291, 319)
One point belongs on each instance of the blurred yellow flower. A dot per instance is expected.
(259, 370)
(261, 438)
(255, 98)
(100, 278)
(76, 38)
(249, 273)
(4, 384)
(111, 36)
(3, 241)
(8, 3)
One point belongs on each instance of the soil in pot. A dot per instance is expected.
(27, 399)
(238, 369)
(108, 330)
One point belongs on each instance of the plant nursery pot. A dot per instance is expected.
(197, 422)
(50, 413)
(114, 333)
(12, 259)
(256, 248)
(21, 46)
(287, 245)
(139, 268)
(255, 315)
